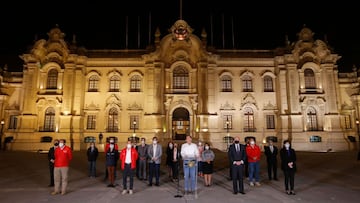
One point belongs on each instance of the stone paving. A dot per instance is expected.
(321, 177)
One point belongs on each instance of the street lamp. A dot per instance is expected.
(227, 131)
(134, 124)
(2, 127)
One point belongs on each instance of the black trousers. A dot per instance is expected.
(272, 169)
(237, 177)
(289, 179)
(128, 172)
(51, 169)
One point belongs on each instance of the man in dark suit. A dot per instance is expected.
(237, 156)
(271, 153)
(51, 159)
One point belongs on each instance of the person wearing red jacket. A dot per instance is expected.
(253, 153)
(63, 156)
(128, 157)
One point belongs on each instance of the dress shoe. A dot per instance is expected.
(242, 192)
(235, 193)
(157, 184)
(292, 192)
(150, 184)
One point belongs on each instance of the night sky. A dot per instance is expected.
(107, 24)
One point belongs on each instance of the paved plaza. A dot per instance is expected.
(321, 177)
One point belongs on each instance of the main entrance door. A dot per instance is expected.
(180, 124)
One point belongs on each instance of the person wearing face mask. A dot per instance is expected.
(253, 154)
(92, 155)
(169, 155)
(106, 148)
(128, 157)
(111, 157)
(51, 159)
(288, 166)
(208, 157)
(142, 160)
(271, 152)
(63, 156)
(237, 157)
(154, 154)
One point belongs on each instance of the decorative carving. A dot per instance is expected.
(227, 106)
(134, 107)
(269, 106)
(181, 30)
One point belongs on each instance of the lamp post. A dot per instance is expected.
(227, 131)
(358, 131)
(134, 125)
(2, 127)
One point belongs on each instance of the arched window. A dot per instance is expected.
(249, 120)
(135, 83)
(247, 84)
(93, 83)
(180, 78)
(52, 78)
(309, 77)
(311, 119)
(49, 122)
(268, 84)
(226, 84)
(114, 85)
(113, 120)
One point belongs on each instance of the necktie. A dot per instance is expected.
(271, 149)
(237, 148)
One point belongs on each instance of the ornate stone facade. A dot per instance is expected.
(177, 87)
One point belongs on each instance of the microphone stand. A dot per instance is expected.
(178, 194)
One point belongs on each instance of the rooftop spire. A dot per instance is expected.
(180, 9)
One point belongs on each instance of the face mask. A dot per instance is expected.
(154, 142)
(171, 146)
(287, 146)
(252, 142)
(142, 141)
(111, 146)
(61, 144)
(56, 144)
(92, 146)
(207, 147)
(236, 141)
(128, 146)
(200, 143)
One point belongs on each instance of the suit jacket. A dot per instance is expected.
(237, 156)
(271, 156)
(158, 154)
(286, 158)
(51, 155)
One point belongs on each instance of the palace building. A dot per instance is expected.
(180, 86)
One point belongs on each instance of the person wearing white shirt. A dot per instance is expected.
(189, 153)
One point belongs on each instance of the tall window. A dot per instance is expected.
(226, 84)
(227, 122)
(93, 83)
(311, 119)
(309, 77)
(135, 83)
(114, 84)
(91, 122)
(347, 119)
(268, 84)
(180, 78)
(270, 121)
(249, 120)
(52, 79)
(13, 122)
(134, 122)
(247, 84)
(49, 124)
(113, 120)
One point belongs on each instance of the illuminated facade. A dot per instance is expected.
(177, 87)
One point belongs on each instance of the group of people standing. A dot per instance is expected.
(246, 159)
(144, 161)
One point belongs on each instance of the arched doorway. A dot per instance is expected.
(180, 123)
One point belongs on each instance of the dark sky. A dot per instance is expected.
(254, 24)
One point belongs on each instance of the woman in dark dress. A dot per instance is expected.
(208, 157)
(169, 162)
(288, 166)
